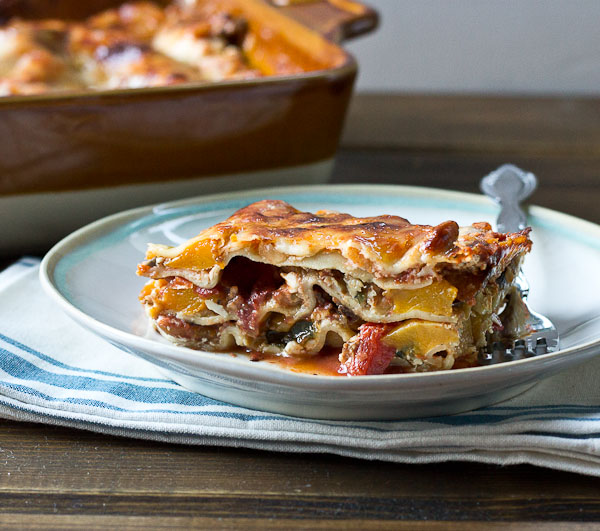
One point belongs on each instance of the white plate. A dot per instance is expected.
(91, 274)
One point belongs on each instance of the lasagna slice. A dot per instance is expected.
(386, 293)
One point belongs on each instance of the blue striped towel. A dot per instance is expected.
(53, 371)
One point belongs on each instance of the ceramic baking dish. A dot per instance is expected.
(68, 159)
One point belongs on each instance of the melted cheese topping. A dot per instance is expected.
(138, 44)
(376, 249)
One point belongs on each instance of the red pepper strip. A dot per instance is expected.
(371, 356)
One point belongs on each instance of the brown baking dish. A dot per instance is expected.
(93, 153)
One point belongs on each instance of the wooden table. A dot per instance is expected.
(58, 477)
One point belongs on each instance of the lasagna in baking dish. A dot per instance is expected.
(138, 44)
(387, 294)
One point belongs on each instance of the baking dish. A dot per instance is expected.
(67, 159)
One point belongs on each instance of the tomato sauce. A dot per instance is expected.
(326, 363)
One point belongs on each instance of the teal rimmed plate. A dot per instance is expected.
(91, 274)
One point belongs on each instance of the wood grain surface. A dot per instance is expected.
(567, 183)
(57, 473)
(542, 126)
(53, 477)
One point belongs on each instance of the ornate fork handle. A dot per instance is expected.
(508, 186)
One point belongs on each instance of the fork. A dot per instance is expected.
(508, 186)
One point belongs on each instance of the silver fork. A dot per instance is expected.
(508, 186)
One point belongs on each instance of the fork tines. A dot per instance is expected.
(499, 352)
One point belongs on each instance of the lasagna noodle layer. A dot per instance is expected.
(306, 313)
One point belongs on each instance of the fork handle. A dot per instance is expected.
(508, 186)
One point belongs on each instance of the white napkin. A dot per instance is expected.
(53, 371)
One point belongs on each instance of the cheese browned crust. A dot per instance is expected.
(138, 44)
(274, 279)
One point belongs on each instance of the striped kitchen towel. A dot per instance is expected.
(53, 371)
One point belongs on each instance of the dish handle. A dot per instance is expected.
(337, 20)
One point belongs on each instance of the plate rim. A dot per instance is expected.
(272, 375)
